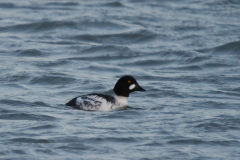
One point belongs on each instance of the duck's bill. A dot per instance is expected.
(139, 88)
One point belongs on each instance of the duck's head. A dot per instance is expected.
(126, 85)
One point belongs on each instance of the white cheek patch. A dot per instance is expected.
(132, 86)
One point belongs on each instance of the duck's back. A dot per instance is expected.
(93, 102)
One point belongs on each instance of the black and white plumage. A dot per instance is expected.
(102, 102)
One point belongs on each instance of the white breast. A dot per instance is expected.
(121, 102)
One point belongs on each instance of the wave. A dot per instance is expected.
(51, 80)
(62, 4)
(7, 5)
(140, 36)
(152, 62)
(223, 2)
(27, 116)
(30, 53)
(200, 141)
(232, 48)
(20, 76)
(39, 26)
(101, 25)
(114, 4)
(24, 103)
(53, 63)
(84, 25)
(220, 124)
(29, 140)
(107, 49)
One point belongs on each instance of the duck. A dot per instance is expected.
(102, 102)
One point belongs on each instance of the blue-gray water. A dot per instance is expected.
(186, 54)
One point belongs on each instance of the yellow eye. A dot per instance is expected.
(129, 81)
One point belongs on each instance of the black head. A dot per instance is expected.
(126, 85)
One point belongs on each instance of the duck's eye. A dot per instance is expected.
(129, 81)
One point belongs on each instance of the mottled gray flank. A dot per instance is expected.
(94, 102)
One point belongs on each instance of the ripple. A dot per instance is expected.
(187, 141)
(19, 152)
(62, 4)
(183, 55)
(107, 49)
(232, 48)
(217, 65)
(226, 93)
(7, 5)
(30, 53)
(42, 127)
(23, 103)
(51, 80)
(20, 76)
(102, 25)
(219, 124)
(13, 102)
(104, 58)
(26, 116)
(104, 68)
(237, 89)
(113, 139)
(198, 59)
(112, 117)
(229, 48)
(78, 147)
(167, 93)
(46, 151)
(29, 140)
(214, 104)
(223, 2)
(53, 63)
(157, 78)
(190, 27)
(140, 36)
(202, 79)
(151, 62)
(154, 144)
(114, 4)
(40, 103)
(39, 26)
(199, 141)
(188, 68)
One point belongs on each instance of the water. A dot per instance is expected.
(186, 54)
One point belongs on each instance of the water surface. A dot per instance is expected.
(186, 54)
